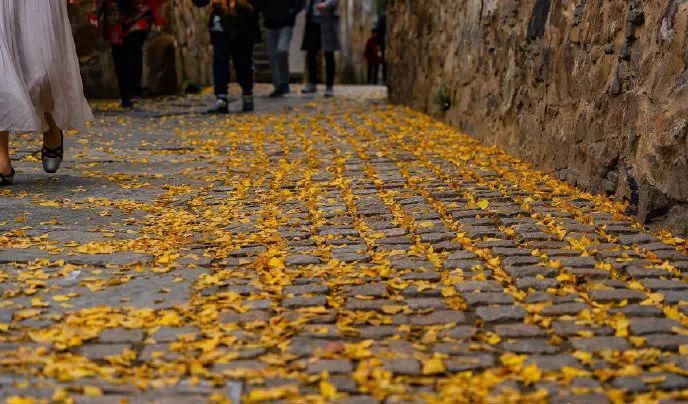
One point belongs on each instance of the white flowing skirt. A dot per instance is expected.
(39, 69)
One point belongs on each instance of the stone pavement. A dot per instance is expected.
(324, 250)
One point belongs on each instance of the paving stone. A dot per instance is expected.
(511, 251)
(598, 344)
(370, 289)
(302, 259)
(652, 325)
(570, 328)
(544, 297)
(240, 364)
(489, 298)
(333, 366)
(616, 295)
(426, 303)
(360, 304)
(479, 286)
(469, 362)
(306, 289)
(631, 384)
(589, 273)
(674, 296)
(296, 302)
(103, 351)
(642, 272)
(577, 262)
(459, 332)
(531, 271)
(554, 362)
(422, 276)
(461, 255)
(501, 313)
(665, 341)
(410, 367)
(536, 283)
(378, 332)
(520, 261)
(597, 398)
(530, 346)
(466, 265)
(637, 310)
(249, 317)
(664, 284)
(519, 330)
(439, 317)
(415, 291)
(120, 335)
(564, 309)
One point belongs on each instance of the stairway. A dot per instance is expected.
(262, 63)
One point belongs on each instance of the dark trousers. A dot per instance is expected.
(241, 56)
(128, 61)
(312, 62)
(373, 73)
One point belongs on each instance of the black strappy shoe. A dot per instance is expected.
(53, 157)
(6, 180)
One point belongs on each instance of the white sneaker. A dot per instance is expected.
(329, 92)
(309, 88)
(220, 106)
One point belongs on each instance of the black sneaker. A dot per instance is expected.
(219, 107)
(276, 93)
(247, 103)
(127, 104)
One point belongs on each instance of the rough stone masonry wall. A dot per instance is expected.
(173, 58)
(594, 90)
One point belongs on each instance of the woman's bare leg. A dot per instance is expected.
(52, 137)
(5, 162)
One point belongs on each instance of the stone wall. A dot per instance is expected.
(593, 90)
(178, 55)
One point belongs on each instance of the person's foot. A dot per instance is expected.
(276, 93)
(52, 152)
(6, 176)
(329, 92)
(309, 88)
(247, 103)
(285, 88)
(127, 104)
(219, 107)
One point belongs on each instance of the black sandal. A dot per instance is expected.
(6, 180)
(53, 157)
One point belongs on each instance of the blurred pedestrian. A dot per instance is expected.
(40, 83)
(279, 17)
(373, 57)
(234, 31)
(382, 41)
(126, 25)
(322, 34)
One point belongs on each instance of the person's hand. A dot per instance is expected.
(321, 7)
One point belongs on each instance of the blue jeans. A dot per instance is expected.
(278, 41)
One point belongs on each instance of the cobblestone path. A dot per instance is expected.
(324, 250)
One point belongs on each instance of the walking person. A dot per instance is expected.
(126, 25)
(373, 57)
(321, 34)
(40, 84)
(279, 17)
(234, 31)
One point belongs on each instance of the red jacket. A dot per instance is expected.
(373, 52)
(117, 24)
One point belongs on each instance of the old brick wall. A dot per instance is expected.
(593, 90)
(178, 55)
